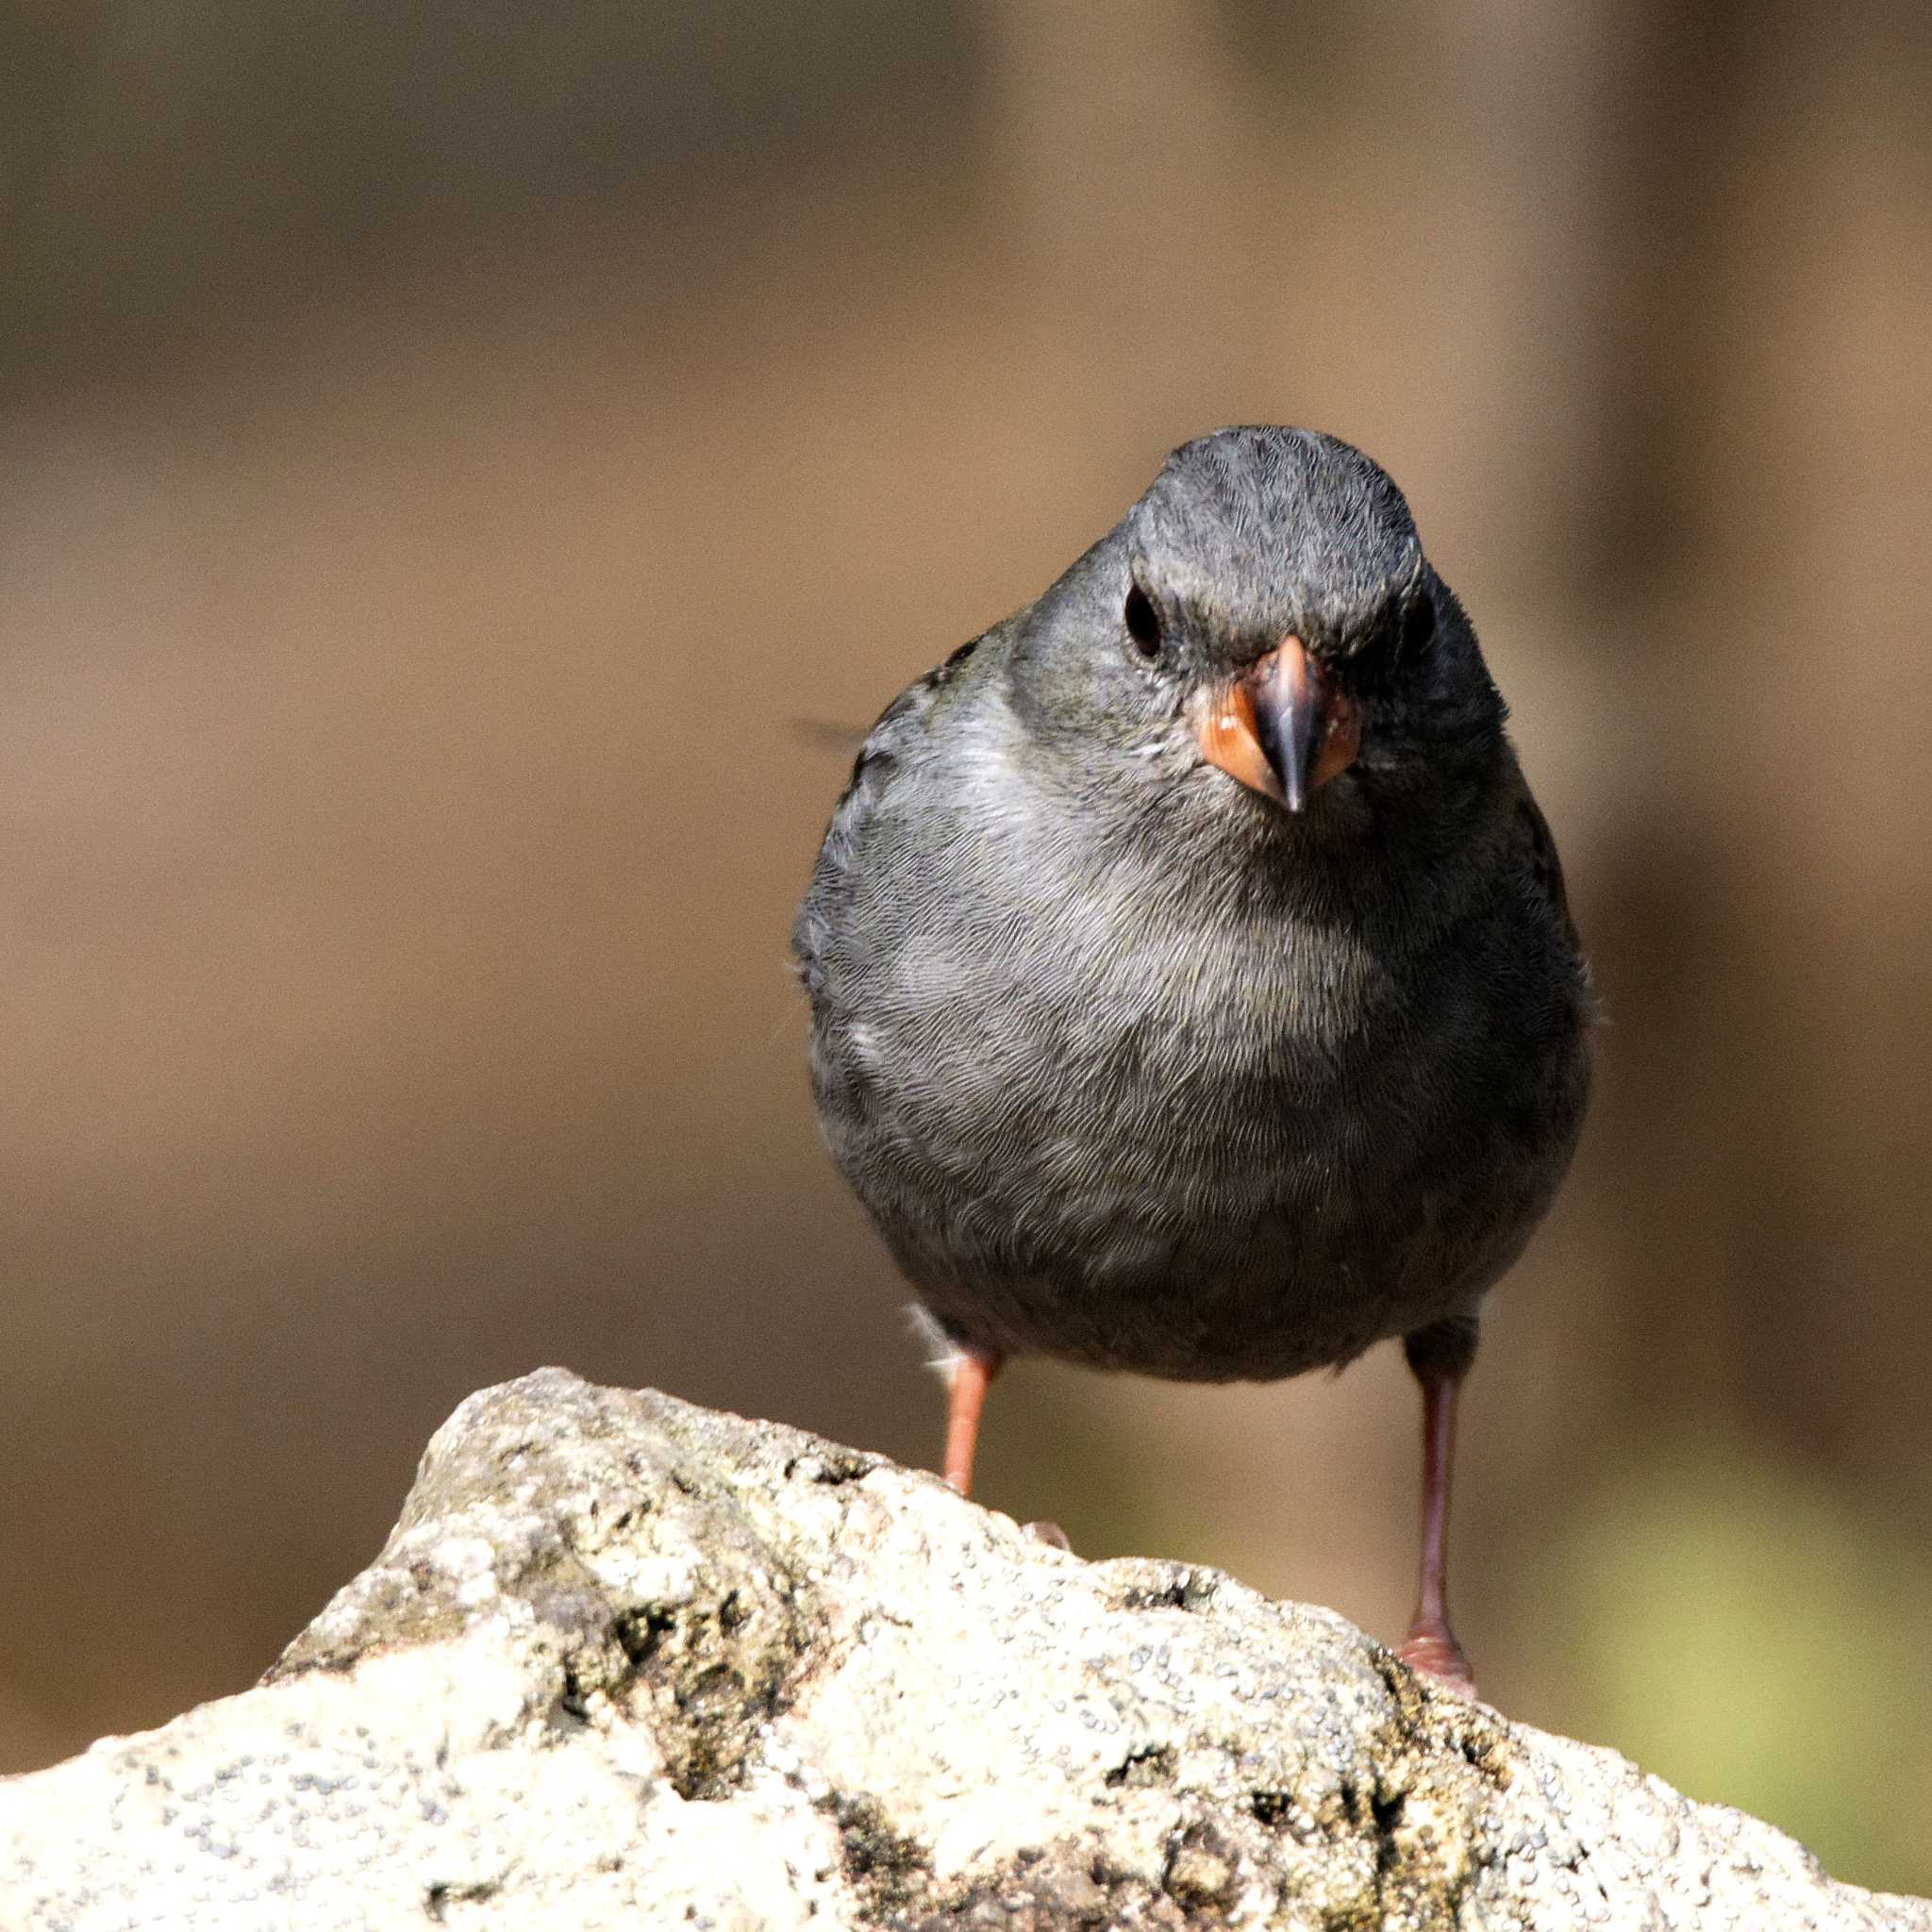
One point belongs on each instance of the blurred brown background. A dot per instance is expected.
(463, 469)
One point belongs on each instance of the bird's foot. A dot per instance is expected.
(1431, 1648)
(1050, 1534)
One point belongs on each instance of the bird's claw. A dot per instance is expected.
(1431, 1649)
(1050, 1534)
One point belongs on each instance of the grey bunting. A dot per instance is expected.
(1192, 986)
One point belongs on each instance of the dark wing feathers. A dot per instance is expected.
(875, 758)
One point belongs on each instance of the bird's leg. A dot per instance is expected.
(969, 1375)
(1439, 1357)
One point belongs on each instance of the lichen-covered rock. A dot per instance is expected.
(626, 1662)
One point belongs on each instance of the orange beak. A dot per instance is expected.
(1281, 727)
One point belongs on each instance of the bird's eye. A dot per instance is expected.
(1418, 625)
(1143, 622)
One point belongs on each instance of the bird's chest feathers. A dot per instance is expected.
(1123, 996)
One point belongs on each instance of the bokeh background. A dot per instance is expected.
(469, 475)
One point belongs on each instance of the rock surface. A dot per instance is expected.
(626, 1662)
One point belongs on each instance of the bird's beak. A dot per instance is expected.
(1281, 727)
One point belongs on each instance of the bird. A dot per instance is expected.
(1193, 990)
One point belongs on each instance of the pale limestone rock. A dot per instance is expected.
(626, 1662)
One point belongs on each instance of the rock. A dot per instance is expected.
(626, 1662)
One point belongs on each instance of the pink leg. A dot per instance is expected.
(1440, 1357)
(969, 1378)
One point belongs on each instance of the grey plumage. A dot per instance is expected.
(1131, 1065)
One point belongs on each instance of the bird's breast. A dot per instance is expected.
(1116, 1106)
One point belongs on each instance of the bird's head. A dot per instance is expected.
(1264, 609)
